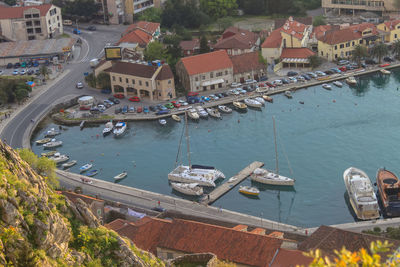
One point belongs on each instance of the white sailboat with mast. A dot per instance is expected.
(200, 174)
(269, 177)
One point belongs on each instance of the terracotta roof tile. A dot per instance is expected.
(294, 28)
(74, 196)
(246, 62)
(207, 62)
(165, 73)
(290, 258)
(319, 31)
(149, 27)
(117, 224)
(391, 24)
(190, 45)
(234, 37)
(364, 26)
(137, 36)
(303, 20)
(274, 40)
(296, 52)
(139, 70)
(340, 36)
(18, 12)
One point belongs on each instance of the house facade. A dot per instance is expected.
(205, 72)
(236, 41)
(391, 30)
(30, 22)
(153, 82)
(343, 6)
(247, 66)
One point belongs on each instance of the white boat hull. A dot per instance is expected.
(225, 109)
(187, 190)
(252, 103)
(204, 177)
(268, 177)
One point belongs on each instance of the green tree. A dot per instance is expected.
(396, 48)
(184, 13)
(103, 80)
(379, 50)
(21, 94)
(151, 14)
(315, 61)
(218, 8)
(28, 156)
(224, 23)
(252, 7)
(154, 51)
(91, 80)
(10, 2)
(204, 48)
(319, 20)
(44, 71)
(47, 167)
(359, 53)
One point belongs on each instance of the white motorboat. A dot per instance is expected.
(85, 167)
(69, 164)
(52, 132)
(288, 94)
(53, 143)
(162, 122)
(260, 99)
(338, 84)
(192, 189)
(239, 105)
(192, 113)
(327, 86)
(176, 118)
(383, 71)
(108, 129)
(248, 190)
(49, 153)
(202, 113)
(213, 112)
(225, 109)
(58, 158)
(119, 129)
(43, 141)
(361, 194)
(351, 81)
(252, 103)
(120, 176)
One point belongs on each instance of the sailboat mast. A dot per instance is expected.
(187, 141)
(276, 149)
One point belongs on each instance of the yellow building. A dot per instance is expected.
(391, 29)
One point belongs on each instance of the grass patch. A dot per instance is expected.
(64, 35)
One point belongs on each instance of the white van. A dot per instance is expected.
(94, 62)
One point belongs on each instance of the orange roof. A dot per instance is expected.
(72, 196)
(207, 62)
(289, 258)
(391, 24)
(234, 37)
(274, 40)
(246, 62)
(18, 12)
(294, 28)
(363, 26)
(149, 27)
(296, 52)
(116, 224)
(340, 36)
(319, 31)
(137, 36)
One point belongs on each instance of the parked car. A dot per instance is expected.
(30, 72)
(139, 109)
(220, 95)
(9, 66)
(343, 68)
(162, 112)
(22, 72)
(312, 74)
(119, 96)
(176, 104)
(145, 109)
(161, 107)
(23, 64)
(79, 85)
(124, 109)
(153, 108)
(131, 109)
(101, 107)
(292, 73)
(300, 78)
(107, 103)
(234, 85)
(193, 94)
(95, 110)
(117, 110)
(17, 65)
(213, 97)
(250, 81)
(114, 100)
(15, 72)
(306, 77)
(36, 63)
(134, 99)
(158, 208)
(37, 72)
(370, 61)
(91, 28)
(263, 78)
(277, 82)
(169, 106)
(29, 64)
(320, 73)
(329, 72)
(271, 84)
(292, 80)
(336, 70)
(388, 59)
(350, 67)
(76, 31)
(205, 98)
(106, 91)
(343, 62)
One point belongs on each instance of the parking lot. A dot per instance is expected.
(32, 68)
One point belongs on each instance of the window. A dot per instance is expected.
(322, 53)
(211, 74)
(170, 255)
(352, 43)
(38, 30)
(226, 72)
(342, 46)
(28, 16)
(35, 15)
(58, 17)
(29, 23)
(59, 25)
(335, 47)
(120, 79)
(147, 84)
(203, 77)
(29, 31)
(32, 37)
(140, 82)
(169, 81)
(361, 41)
(335, 55)
(37, 22)
(113, 77)
(347, 44)
(49, 22)
(133, 81)
(196, 79)
(126, 80)
(395, 36)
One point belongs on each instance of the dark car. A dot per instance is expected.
(263, 78)
(95, 110)
(113, 99)
(30, 72)
(35, 63)
(162, 112)
(106, 91)
(37, 72)
(91, 28)
(158, 208)
(284, 81)
(153, 108)
(292, 73)
(370, 61)
(329, 72)
(388, 59)
(224, 94)
(29, 64)
(117, 110)
(305, 76)
(9, 66)
(17, 65)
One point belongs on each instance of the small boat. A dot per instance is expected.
(269, 177)
(69, 164)
(383, 71)
(52, 132)
(202, 113)
(361, 194)
(108, 129)
(260, 99)
(176, 118)
(49, 154)
(301, 102)
(248, 190)
(252, 103)
(162, 122)
(120, 176)
(268, 98)
(239, 105)
(192, 189)
(327, 86)
(338, 84)
(213, 112)
(389, 192)
(192, 113)
(82, 125)
(224, 109)
(58, 158)
(119, 129)
(43, 141)
(92, 173)
(232, 179)
(85, 167)
(288, 94)
(351, 80)
(53, 143)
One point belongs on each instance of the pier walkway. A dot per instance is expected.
(235, 180)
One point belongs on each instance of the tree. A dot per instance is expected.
(315, 61)
(224, 23)
(91, 80)
(47, 167)
(10, 2)
(379, 50)
(103, 80)
(396, 48)
(44, 71)
(359, 53)
(319, 20)
(154, 51)
(253, 7)
(204, 48)
(21, 94)
(151, 14)
(218, 8)
(184, 13)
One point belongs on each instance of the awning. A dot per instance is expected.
(207, 83)
(295, 60)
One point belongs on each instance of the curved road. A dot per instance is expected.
(92, 47)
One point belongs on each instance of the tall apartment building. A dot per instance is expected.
(30, 22)
(120, 11)
(381, 6)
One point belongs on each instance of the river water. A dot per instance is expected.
(317, 141)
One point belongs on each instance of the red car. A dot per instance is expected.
(384, 65)
(134, 99)
(271, 84)
(343, 68)
(193, 94)
(139, 109)
(261, 84)
(177, 105)
(119, 95)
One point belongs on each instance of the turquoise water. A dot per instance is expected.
(330, 132)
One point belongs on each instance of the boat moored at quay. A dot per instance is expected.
(388, 192)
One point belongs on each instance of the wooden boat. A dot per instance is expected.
(192, 113)
(361, 194)
(92, 173)
(43, 141)
(338, 84)
(389, 192)
(239, 105)
(268, 98)
(162, 122)
(69, 164)
(260, 99)
(53, 143)
(225, 109)
(49, 154)
(213, 112)
(327, 86)
(192, 189)
(248, 190)
(176, 118)
(252, 103)
(85, 167)
(52, 132)
(288, 94)
(383, 71)
(58, 158)
(120, 176)
(351, 81)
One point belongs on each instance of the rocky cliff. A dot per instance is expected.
(39, 227)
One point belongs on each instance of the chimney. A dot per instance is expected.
(240, 227)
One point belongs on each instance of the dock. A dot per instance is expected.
(227, 186)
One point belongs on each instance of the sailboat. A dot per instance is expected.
(202, 175)
(269, 177)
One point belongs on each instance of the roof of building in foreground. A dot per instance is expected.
(140, 70)
(207, 62)
(18, 12)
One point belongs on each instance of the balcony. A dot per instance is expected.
(137, 10)
(371, 5)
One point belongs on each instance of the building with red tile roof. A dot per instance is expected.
(136, 36)
(190, 47)
(30, 22)
(172, 238)
(237, 41)
(296, 57)
(390, 30)
(207, 71)
(290, 258)
(152, 28)
(247, 66)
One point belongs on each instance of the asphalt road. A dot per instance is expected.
(92, 47)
